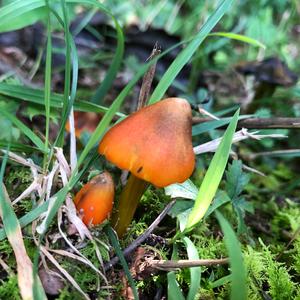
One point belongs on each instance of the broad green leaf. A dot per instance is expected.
(213, 175)
(185, 190)
(236, 179)
(220, 199)
(238, 272)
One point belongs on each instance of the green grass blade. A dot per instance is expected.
(113, 69)
(67, 78)
(238, 272)
(210, 125)
(174, 291)
(48, 72)
(13, 231)
(35, 96)
(37, 211)
(27, 131)
(21, 13)
(28, 218)
(102, 126)
(185, 55)
(195, 273)
(213, 175)
(118, 250)
(84, 22)
(17, 147)
(239, 37)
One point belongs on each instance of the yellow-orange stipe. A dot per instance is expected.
(95, 200)
(154, 143)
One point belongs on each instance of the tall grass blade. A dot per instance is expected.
(113, 69)
(238, 272)
(20, 13)
(48, 72)
(26, 130)
(195, 273)
(174, 291)
(185, 55)
(35, 96)
(15, 238)
(239, 37)
(213, 175)
(115, 243)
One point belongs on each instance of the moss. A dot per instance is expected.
(86, 278)
(9, 289)
(7, 253)
(152, 202)
(17, 180)
(296, 256)
(287, 218)
(264, 271)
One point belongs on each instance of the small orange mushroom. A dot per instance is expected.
(155, 145)
(95, 200)
(84, 121)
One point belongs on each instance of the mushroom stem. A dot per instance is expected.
(128, 202)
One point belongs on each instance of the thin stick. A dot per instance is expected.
(166, 265)
(142, 237)
(260, 123)
(147, 79)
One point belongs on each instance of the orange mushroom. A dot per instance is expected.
(94, 201)
(155, 145)
(84, 121)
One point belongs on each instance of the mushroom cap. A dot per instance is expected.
(271, 70)
(94, 201)
(154, 143)
(84, 121)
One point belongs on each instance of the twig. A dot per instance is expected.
(293, 238)
(166, 265)
(147, 79)
(205, 112)
(240, 135)
(275, 152)
(260, 123)
(142, 237)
